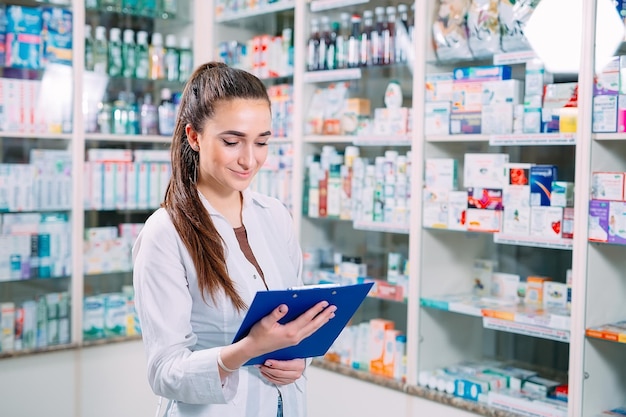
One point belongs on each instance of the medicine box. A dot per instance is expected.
(57, 22)
(485, 170)
(437, 118)
(378, 327)
(534, 289)
(598, 220)
(554, 294)
(545, 222)
(607, 186)
(516, 220)
(562, 194)
(484, 198)
(617, 222)
(438, 87)
(441, 173)
(23, 37)
(541, 178)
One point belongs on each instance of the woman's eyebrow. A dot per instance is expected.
(243, 135)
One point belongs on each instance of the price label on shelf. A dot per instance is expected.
(533, 139)
(381, 227)
(512, 58)
(332, 75)
(526, 329)
(320, 5)
(532, 241)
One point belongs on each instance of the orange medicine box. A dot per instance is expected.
(534, 289)
(378, 327)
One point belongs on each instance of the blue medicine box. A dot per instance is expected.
(541, 178)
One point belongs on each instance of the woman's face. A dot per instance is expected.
(232, 145)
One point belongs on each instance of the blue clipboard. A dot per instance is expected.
(347, 298)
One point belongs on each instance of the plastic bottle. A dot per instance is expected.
(120, 114)
(115, 52)
(172, 59)
(402, 33)
(129, 54)
(142, 56)
(185, 57)
(365, 55)
(324, 43)
(353, 42)
(389, 37)
(331, 50)
(167, 113)
(377, 36)
(342, 41)
(100, 51)
(313, 44)
(148, 120)
(157, 57)
(286, 52)
(132, 109)
(104, 116)
(89, 63)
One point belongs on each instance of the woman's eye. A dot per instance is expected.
(262, 143)
(227, 143)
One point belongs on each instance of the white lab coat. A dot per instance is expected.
(182, 334)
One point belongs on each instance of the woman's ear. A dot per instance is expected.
(192, 137)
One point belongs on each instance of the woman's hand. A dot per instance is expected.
(282, 372)
(269, 335)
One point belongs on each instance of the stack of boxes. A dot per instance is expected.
(485, 100)
(500, 196)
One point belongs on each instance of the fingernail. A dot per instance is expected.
(268, 363)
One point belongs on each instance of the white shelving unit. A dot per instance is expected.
(440, 260)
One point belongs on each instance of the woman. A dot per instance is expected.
(203, 255)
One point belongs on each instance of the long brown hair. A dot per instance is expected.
(209, 84)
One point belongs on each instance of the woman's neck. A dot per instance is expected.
(229, 206)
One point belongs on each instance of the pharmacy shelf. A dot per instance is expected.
(28, 352)
(381, 227)
(328, 139)
(526, 329)
(505, 316)
(4, 280)
(321, 5)
(503, 239)
(514, 58)
(457, 138)
(128, 138)
(614, 332)
(332, 75)
(610, 136)
(361, 140)
(33, 135)
(382, 140)
(549, 139)
(276, 7)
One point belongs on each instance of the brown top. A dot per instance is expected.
(242, 238)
